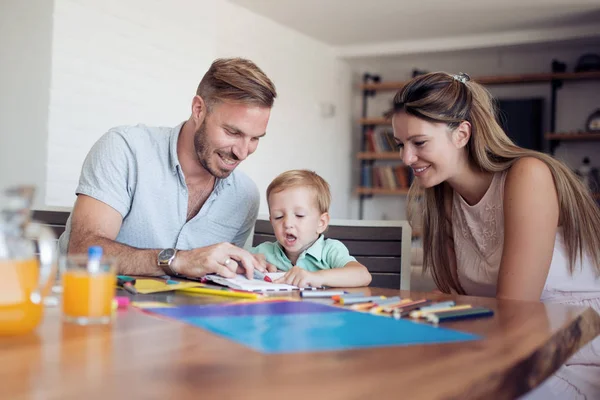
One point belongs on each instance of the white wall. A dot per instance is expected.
(25, 48)
(119, 63)
(124, 62)
(306, 74)
(576, 100)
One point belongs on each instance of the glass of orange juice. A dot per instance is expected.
(88, 287)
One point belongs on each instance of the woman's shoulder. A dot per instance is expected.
(529, 189)
(529, 173)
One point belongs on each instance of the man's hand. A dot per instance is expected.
(301, 278)
(224, 259)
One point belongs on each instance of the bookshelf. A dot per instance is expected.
(368, 156)
(500, 80)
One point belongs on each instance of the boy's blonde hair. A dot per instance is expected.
(303, 178)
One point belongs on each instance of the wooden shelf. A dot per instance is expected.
(388, 155)
(499, 80)
(573, 136)
(382, 191)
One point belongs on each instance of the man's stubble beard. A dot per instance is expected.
(203, 153)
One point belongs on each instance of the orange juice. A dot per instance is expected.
(87, 297)
(18, 278)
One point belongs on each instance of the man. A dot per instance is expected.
(168, 200)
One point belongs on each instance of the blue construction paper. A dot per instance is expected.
(324, 332)
(293, 327)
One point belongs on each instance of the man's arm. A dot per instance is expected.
(95, 223)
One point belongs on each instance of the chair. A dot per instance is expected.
(382, 246)
(54, 219)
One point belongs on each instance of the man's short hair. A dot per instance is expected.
(303, 178)
(236, 80)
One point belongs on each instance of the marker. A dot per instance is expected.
(261, 277)
(322, 293)
(423, 314)
(391, 307)
(127, 278)
(460, 314)
(388, 301)
(355, 300)
(127, 286)
(363, 306)
(381, 304)
(442, 304)
(347, 295)
(405, 310)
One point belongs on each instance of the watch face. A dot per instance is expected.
(166, 254)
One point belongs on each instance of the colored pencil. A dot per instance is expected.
(220, 292)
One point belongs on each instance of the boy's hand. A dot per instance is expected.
(301, 278)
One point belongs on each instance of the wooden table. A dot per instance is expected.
(144, 357)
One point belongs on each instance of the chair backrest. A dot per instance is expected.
(382, 246)
(56, 220)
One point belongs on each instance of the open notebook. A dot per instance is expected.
(240, 282)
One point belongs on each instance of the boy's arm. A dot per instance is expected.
(344, 270)
(353, 274)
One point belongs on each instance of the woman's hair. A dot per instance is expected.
(452, 99)
(238, 80)
(303, 178)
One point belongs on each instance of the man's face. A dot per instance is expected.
(229, 133)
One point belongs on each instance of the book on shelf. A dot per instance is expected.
(386, 177)
(380, 141)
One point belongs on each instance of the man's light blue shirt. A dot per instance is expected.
(136, 171)
(323, 254)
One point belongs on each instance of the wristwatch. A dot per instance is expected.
(165, 259)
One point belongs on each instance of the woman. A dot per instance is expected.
(514, 223)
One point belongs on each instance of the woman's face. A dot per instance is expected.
(430, 149)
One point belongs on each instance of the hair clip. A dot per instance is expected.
(462, 77)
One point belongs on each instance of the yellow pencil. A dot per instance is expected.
(423, 314)
(220, 292)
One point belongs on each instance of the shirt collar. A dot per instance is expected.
(315, 250)
(173, 158)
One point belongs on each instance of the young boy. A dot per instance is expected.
(299, 212)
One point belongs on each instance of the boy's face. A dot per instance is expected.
(296, 219)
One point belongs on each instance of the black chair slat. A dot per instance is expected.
(388, 281)
(377, 248)
(381, 264)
